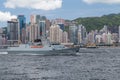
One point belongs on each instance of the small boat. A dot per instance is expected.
(90, 45)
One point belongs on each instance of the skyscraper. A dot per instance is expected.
(91, 37)
(82, 33)
(65, 37)
(55, 34)
(73, 34)
(48, 23)
(60, 22)
(42, 29)
(28, 32)
(22, 26)
(13, 31)
(40, 23)
(33, 32)
(33, 19)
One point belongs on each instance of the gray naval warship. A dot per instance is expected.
(42, 48)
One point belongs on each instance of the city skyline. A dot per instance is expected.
(58, 9)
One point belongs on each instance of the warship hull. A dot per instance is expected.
(69, 51)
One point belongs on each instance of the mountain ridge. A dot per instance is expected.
(93, 23)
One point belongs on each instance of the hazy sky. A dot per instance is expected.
(67, 9)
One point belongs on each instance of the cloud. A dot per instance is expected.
(5, 16)
(102, 1)
(34, 4)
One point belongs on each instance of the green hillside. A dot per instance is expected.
(92, 23)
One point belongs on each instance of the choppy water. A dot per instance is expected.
(86, 66)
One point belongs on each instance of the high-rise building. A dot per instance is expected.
(98, 39)
(33, 34)
(65, 37)
(13, 31)
(91, 37)
(104, 29)
(42, 29)
(73, 34)
(104, 38)
(33, 19)
(82, 33)
(109, 38)
(60, 22)
(40, 22)
(48, 24)
(28, 32)
(119, 34)
(55, 34)
(115, 37)
(22, 26)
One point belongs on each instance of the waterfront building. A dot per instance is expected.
(1, 41)
(60, 35)
(13, 31)
(65, 37)
(79, 34)
(109, 38)
(98, 39)
(33, 32)
(73, 34)
(55, 34)
(82, 33)
(22, 26)
(115, 37)
(91, 37)
(104, 38)
(27, 33)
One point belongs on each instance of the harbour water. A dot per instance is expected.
(99, 64)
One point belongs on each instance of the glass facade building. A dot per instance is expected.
(42, 28)
(73, 34)
(12, 30)
(22, 27)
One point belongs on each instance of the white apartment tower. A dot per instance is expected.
(55, 34)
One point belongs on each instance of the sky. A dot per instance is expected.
(67, 9)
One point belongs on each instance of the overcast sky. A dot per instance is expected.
(67, 9)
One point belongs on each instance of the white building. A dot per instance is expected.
(65, 37)
(33, 32)
(109, 38)
(55, 34)
(98, 38)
